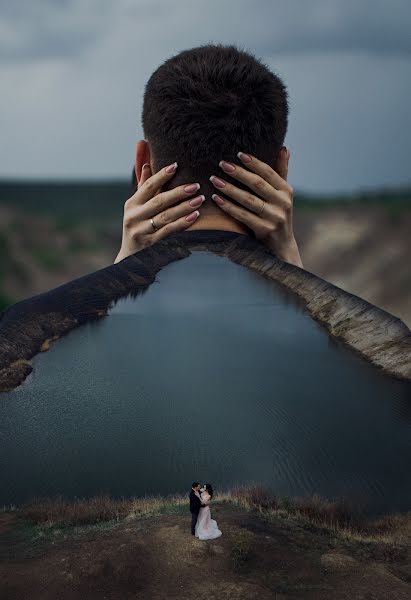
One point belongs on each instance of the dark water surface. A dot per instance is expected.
(214, 373)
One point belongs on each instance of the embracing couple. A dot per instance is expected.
(202, 525)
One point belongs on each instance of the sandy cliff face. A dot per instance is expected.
(363, 250)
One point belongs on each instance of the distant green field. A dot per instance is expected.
(68, 201)
(400, 197)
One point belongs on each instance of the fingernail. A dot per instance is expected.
(171, 168)
(193, 216)
(226, 166)
(197, 201)
(193, 187)
(244, 157)
(217, 181)
(145, 166)
(218, 199)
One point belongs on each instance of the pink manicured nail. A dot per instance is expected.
(193, 187)
(197, 201)
(244, 157)
(171, 168)
(218, 199)
(226, 166)
(193, 216)
(217, 181)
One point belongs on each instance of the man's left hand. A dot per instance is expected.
(273, 222)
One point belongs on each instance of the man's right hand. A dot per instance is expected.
(149, 202)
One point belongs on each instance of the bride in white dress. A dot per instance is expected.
(206, 527)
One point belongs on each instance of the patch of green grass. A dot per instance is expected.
(75, 246)
(174, 509)
(396, 201)
(394, 212)
(18, 269)
(66, 223)
(5, 300)
(4, 244)
(284, 503)
(241, 549)
(50, 260)
(4, 253)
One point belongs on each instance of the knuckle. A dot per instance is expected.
(164, 218)
(157, 202)
(250, 199)
(242, 213)
(270, 227)
(290, 189)
(127, 221)
(259, 183)
(149, 184)
(166, 230)
(143, 242)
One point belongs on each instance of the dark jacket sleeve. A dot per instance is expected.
(195, 502)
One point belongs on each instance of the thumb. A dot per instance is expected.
(281, 164)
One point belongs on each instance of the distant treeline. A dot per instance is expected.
(106, 198)
(401, 196)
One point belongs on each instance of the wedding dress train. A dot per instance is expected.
(206, 527)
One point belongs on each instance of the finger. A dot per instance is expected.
(258, 184)
(238, 212)
(263, 170)
(146, 175)
(174, 213)
(249, 200)
(166, 199)
(152, 184)
(179, 225)
(260, 226)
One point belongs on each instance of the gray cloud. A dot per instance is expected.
(50, 28)
(73, 75)
(68, 28)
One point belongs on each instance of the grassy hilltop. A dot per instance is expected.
(142, 548)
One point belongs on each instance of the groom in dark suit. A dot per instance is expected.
(195, 505)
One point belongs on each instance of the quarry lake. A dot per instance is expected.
(213, 373)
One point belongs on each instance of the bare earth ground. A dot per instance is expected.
(157, 558)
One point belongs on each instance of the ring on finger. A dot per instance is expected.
(154, 227)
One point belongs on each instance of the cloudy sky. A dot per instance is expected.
(72, 76)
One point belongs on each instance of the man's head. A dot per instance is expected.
(206, 104)
(196, 486)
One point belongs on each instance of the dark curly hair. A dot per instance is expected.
(209, 489)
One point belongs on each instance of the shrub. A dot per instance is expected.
(241, 548)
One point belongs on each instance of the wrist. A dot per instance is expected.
(288, 252)
(122, 254)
